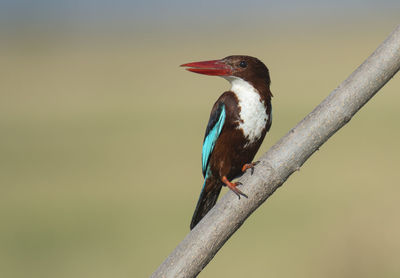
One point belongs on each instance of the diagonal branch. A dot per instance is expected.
(285, 157)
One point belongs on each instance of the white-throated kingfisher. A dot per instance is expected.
(239, 120)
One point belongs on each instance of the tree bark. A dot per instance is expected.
(285, 157)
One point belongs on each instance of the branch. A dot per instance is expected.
(285, 157)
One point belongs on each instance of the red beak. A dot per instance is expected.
(214, 67)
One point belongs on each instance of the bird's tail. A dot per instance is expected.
(208, 198)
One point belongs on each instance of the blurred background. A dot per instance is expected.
(101, 136)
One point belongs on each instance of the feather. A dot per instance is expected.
(214, 128)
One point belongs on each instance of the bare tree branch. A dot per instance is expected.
(285, 157)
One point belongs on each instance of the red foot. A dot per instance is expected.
(250, 166)
(232, 186)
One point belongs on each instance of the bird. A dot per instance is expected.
(238, 123)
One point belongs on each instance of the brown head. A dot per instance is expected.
(247, 68)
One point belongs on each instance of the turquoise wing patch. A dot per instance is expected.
(213, 131)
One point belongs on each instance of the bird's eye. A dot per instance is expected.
(243, 64)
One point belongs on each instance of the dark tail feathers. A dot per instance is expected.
(207, 200)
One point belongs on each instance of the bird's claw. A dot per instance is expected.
(250, 166)
(232, 186)
(238, 192)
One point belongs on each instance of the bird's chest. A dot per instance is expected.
(253, 115)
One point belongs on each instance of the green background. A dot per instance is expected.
(100, 153)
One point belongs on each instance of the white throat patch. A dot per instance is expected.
(253, 114)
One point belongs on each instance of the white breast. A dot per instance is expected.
(253, 114)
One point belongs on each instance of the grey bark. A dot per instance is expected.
(285, 157)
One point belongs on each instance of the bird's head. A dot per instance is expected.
(232, 67)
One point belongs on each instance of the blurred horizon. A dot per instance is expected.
(178, 16)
